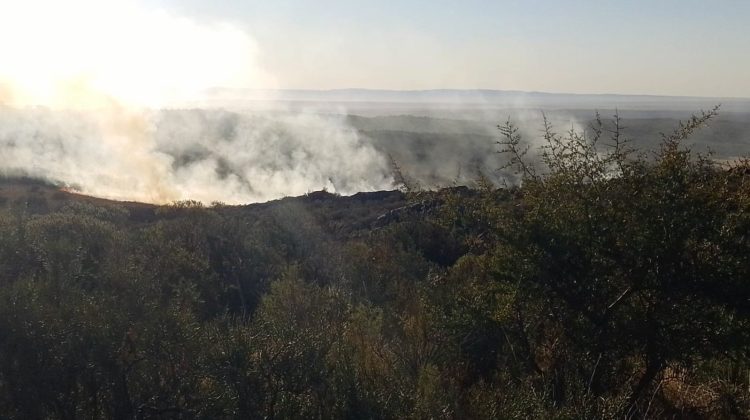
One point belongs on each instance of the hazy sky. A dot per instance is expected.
(680, 47)
(672, 47)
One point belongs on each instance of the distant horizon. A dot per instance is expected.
(470, 90)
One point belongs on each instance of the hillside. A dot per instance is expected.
(577, 293)
(338, 214)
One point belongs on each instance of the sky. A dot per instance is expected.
(133, 48)
(671, 47)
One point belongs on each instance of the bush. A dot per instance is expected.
(625, 266)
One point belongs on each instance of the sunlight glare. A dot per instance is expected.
(85, 53)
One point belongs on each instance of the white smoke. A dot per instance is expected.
(86, 86)
(206, 155)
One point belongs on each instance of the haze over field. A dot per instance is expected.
(194, 103)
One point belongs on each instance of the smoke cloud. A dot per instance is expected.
(89, 98)
(207, 155)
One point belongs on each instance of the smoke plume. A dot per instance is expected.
(90, 93)
(207, 155)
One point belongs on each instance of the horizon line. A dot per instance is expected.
(472, 90)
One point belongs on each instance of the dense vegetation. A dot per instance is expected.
(604, 284)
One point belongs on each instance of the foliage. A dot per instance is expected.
(603, 283)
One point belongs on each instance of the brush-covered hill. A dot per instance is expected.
(338, 214)
(605, 284)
